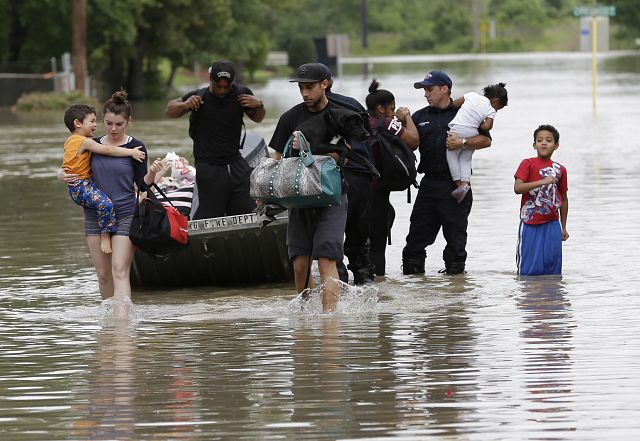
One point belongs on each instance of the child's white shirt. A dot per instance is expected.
(475, 109)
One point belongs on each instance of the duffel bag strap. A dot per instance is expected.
(162, 194)
(305, 149)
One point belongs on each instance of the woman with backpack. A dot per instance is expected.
(381, 106)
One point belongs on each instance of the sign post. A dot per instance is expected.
(594, 12)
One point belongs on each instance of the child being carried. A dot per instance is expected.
(476, 112)
(80, 119)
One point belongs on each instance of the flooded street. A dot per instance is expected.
(482, 356)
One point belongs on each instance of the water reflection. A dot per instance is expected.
(434, 358)
(548, 333)
(112, 387)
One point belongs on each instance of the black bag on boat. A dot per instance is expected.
(394, 160)
(157, 229)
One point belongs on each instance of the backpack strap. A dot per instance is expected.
(244, 134)
(193, 115)
(192, 119)
(162, 194)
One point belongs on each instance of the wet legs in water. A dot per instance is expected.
(328, 278)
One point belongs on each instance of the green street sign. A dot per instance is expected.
(594, 11)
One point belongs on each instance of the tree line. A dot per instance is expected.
(128, 41)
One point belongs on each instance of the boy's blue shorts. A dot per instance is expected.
(539, 249)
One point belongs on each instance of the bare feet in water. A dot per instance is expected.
(121, 308)
(105, 242)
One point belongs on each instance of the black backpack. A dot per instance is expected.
(394, 159)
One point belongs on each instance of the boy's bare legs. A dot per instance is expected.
(329, 278)
(105, 242)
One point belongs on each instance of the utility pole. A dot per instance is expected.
(363, 23)
(476, 17)
(79, 42)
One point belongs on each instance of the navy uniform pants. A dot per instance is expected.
(435, 209)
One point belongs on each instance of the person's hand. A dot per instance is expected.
(66, 177)
(160, 166)
(249, 101)
(565, 234)
(296, 140)
(194, 102)
(402, 113)
(453, 142)
(549, 180)
(138, 154)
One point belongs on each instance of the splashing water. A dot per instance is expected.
(352, 300)
(117, 308)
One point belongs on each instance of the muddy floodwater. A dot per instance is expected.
(481, 356)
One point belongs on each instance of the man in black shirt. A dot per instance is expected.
(222, 175)
(434, 207)
(312, 233)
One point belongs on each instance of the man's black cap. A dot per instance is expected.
(222, 70)
(310, 73)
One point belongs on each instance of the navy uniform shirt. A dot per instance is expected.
(433, 124)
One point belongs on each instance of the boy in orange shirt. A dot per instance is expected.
(80, 119)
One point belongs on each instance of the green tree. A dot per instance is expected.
(628, 18)
(26, 25)
(301, 50)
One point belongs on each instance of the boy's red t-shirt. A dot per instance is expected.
(541, 204)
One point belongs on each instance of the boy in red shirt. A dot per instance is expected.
(543, 186)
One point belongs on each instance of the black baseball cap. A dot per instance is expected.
(311, 73)
(222, 70)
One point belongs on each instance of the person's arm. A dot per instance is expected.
(487, 124)
(521, 187)
(157, 167)
(564, 212)
(281, 134)
(176, 108)
(66, 177)
(109, 150)
(478, 142)
(410, 134)
(254, 107)
(458, 102)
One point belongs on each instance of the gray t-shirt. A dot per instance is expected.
(115, 176)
